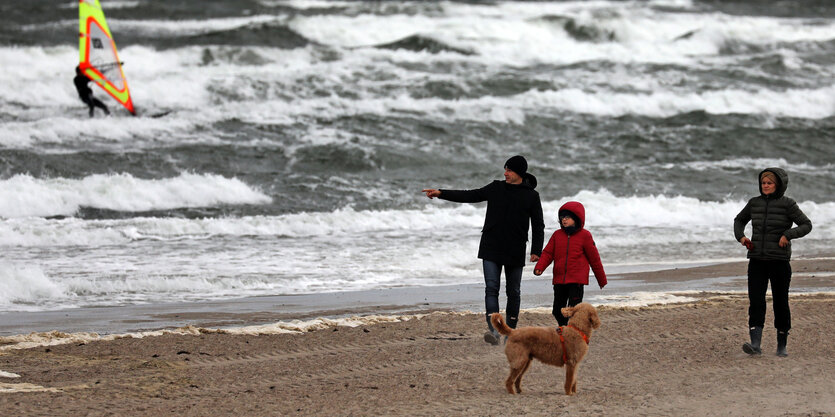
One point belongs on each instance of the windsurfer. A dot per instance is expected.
(85, 93)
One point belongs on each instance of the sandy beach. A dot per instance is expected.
(675, 359)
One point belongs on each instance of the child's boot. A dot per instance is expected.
(782, 338)
(753, 348)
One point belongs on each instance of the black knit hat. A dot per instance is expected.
(517, 164)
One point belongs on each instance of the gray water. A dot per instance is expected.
(301, 133)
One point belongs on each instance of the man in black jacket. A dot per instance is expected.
(511, 205)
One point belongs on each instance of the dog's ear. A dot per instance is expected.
(594, 321)
(568, 311)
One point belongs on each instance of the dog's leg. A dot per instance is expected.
(574, 385)
(570, 379)
(519, 378)
(508, 383)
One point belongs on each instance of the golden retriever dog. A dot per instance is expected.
(545, 344)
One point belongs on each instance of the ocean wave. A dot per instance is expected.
(180, 27)
(420, 43)
(580, 31)
(796, 103)
(735, 164)
(677, 217)
(806, 169)
(800, 103)
(269, 34)
(26, 285)
(24, 195)
(569, 32)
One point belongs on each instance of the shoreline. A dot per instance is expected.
(629, 288)
(302, 313)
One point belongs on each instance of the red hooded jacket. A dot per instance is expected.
(573, 254)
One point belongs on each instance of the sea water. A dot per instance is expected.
(300, 134)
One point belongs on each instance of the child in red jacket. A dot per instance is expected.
(572, 249)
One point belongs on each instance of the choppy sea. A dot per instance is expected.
(300, 134)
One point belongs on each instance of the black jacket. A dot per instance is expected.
(772, 216)
(81, 82)
(510, 208)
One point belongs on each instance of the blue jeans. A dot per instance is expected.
(492, 286)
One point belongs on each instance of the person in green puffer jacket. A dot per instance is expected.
(772, 216)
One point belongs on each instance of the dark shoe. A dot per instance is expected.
(753, 348)
(782, 339)
(491, 337)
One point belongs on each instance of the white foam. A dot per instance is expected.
(24, 195)
(4, 374)
(6, 388)
(303, 326)
(683, 217)
(800, 103)
(26, 284)
(642, 299)
(108, 5)
(183, 260)
(730, 164)
(306, 4)
(183, 27)
(169, 28)
(54, 338)
(734, 163)
(639, 33)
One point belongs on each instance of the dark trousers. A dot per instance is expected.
(566, 295)
(92, 103)
(780, 275)
(492, 286)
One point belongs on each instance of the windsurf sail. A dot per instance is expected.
(98, 58)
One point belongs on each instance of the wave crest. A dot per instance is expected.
(24, 195)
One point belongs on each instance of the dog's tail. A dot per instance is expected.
(500, 325)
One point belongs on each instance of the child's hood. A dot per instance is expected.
(576, 208)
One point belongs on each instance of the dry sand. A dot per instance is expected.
(672, 360)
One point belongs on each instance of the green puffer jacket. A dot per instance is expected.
(772, 216)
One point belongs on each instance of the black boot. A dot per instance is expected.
(753, 348)
(782, 338)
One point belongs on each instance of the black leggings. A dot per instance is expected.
(93, 102)
(566, 295)
(780, 275)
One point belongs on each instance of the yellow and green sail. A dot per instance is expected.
(98, 58)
